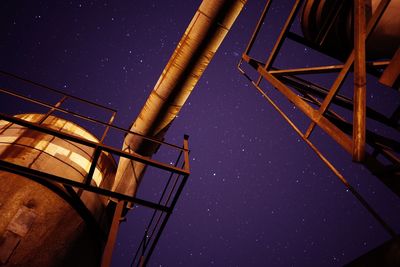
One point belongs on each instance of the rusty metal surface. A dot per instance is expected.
(34, 149)
(57, 197)
(191, 57)
(391, 76)
(278, 78)
(46, 233)
(329, 24)
(360, 82)
(22, 221)
(8, 242)
(18, 227)
(320, 105)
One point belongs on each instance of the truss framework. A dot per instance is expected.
(318, 102)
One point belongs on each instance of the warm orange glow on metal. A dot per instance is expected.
(194, 52)
(391, 75)
(315, 101)
(328, 163)
(318, 26)
(47, 150)
(355, 145)
(75, 167)
(57, 219)
(360, 82)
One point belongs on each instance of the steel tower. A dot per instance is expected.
(364, 36)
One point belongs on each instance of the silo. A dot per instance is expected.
(46, 214)
(329, 24)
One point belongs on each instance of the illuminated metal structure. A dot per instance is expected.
(331, 28)
(63, 194)
(199, 43)
(57, 183)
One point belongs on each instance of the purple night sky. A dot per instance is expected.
(257, 195)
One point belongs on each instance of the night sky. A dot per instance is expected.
(257, 194)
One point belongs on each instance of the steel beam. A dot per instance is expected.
(360, 82)
(391, 75)
(112, 236)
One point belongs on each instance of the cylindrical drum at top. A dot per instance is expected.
(39, 224)
(329, 24)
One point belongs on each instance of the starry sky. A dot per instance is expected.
(257, 195)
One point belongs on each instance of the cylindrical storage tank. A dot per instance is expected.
(382, 43)
(39, 225)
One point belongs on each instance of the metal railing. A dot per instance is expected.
(177, 173)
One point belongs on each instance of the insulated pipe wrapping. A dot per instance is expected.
(191, 57)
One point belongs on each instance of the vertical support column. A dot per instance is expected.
(359, 99)
(186, 152)
(112, 236)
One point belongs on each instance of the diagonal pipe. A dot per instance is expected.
(199, 43)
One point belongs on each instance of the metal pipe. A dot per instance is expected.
(191, 57)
